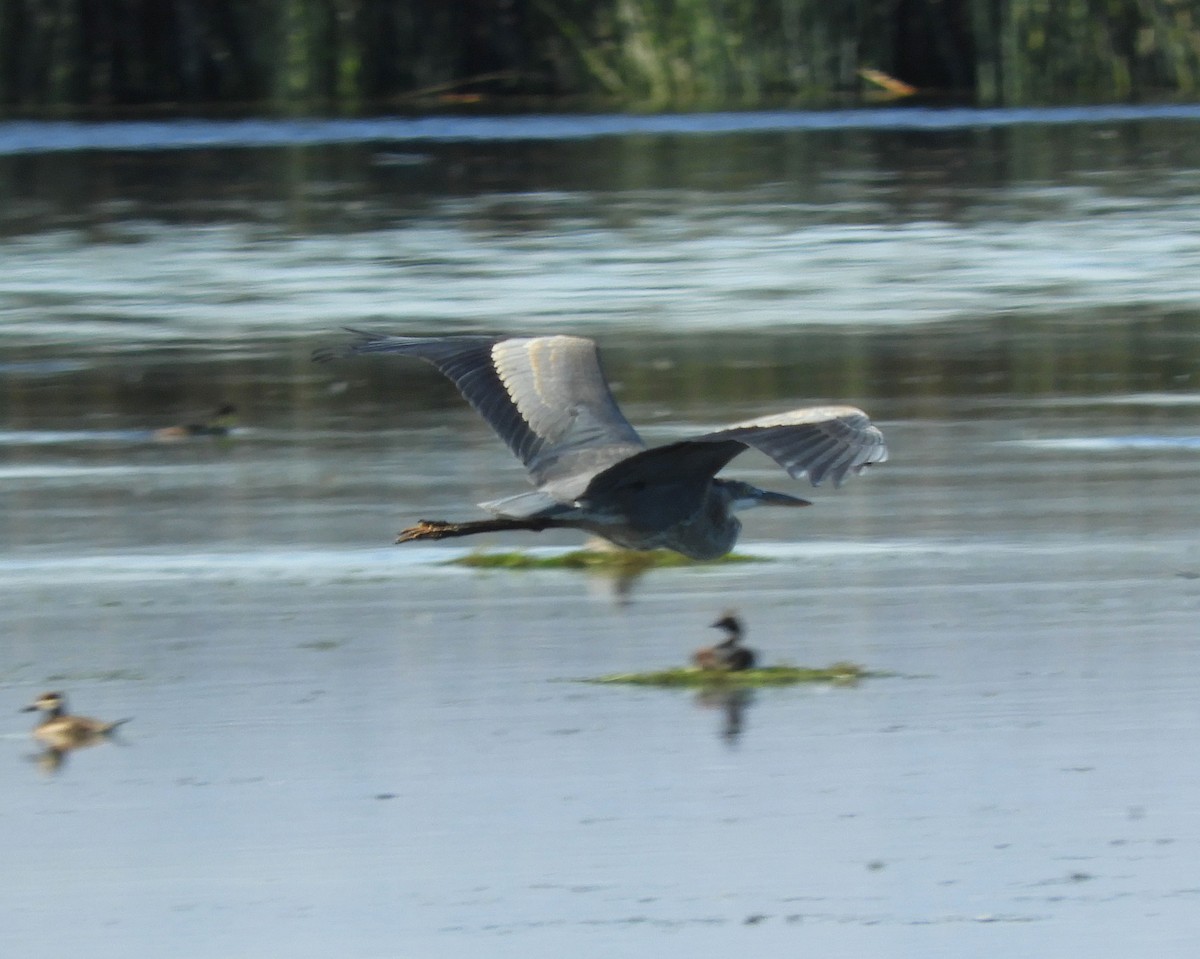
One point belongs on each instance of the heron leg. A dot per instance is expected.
(440, 529)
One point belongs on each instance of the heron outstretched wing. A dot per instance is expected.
(819, 441)
(545, 396)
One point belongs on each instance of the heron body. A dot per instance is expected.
(547, 398)
(60, 731)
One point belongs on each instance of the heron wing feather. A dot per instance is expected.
(819, 441)
(545, 396)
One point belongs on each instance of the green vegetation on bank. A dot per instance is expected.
(355, 55)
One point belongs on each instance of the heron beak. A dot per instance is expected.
(766, 497)
(28, 709)
(771, 498)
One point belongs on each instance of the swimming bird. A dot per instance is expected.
(729, 654)
(59, 731)
(219, 424)
(547, 398)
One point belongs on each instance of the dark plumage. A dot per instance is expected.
(221, 422)
(728, 654)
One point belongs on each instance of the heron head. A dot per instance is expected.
(745, 496)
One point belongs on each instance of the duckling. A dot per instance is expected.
(727, 654)
(221, 422)
(60, 732)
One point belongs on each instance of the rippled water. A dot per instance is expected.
(340, 745)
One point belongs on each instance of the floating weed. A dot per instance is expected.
(623, 562)
(105, 676)
(842, 674)
(321, 645)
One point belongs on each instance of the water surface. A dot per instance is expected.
(340, 745)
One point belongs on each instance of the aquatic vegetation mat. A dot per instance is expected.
(694, 677)
(100, 676)
(622, 561)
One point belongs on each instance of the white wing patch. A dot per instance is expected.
(811, 414)
(818, 441)
(537, 374)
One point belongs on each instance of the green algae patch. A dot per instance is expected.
(103, 676)
(320, 645)
(693, 677)
(619, 561)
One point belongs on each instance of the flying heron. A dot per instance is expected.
(547, 398)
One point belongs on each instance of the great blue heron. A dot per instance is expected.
(729, 654)
(547, 398)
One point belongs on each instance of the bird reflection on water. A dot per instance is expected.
(733, 703)
(547, 398)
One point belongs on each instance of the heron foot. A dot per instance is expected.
(427, 529)
(440, 529)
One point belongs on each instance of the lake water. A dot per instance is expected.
(341, 746)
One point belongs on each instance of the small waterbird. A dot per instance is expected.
(59, 731)
(729, 654)
(219, 424)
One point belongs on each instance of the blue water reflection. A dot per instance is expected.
(43, 137)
